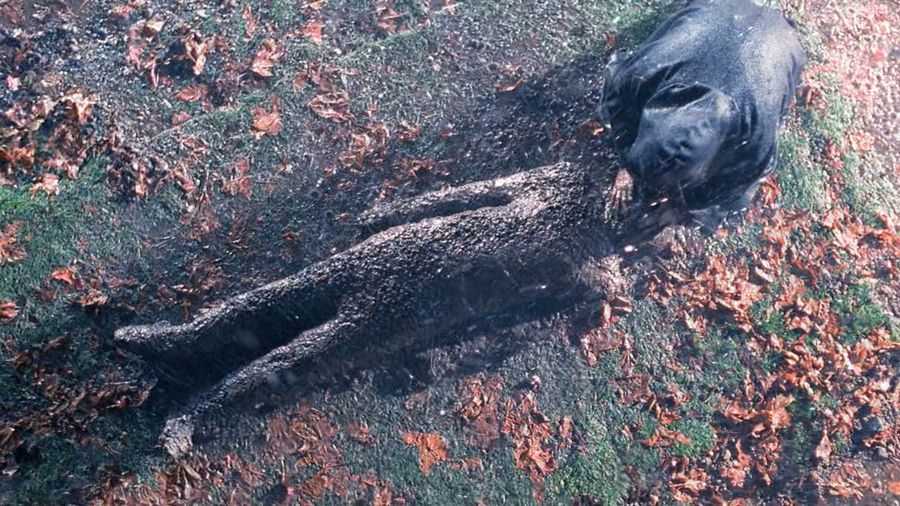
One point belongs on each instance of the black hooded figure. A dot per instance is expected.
(696, 108)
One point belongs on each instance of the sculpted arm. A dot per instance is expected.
(446, 202)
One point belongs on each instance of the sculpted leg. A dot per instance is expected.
(273, 369)
(239, 328)
(257, 321)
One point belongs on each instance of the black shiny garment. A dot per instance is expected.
(696, 108)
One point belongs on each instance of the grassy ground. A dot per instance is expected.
(163, 219)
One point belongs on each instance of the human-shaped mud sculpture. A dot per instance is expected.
(433, 263)
(696, 108)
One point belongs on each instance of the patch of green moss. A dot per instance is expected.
(594, 472)
(50, 226)
(866, 192)
(835, 122)
(803, 185)
(701, 434)
(858, 313)
(56, 461)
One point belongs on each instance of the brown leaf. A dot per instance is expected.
(237, 182)
(360, 432)
(432, 448)
(894, 487)
(196, 49)
(48, 183)
(334, 106)
(80, 107)
(388, 19)
(193, 92)
(824, 449)
(266, 57)
(10, 249)
(93, 299)
(67, 275)
(409, 132)
(265, 122)
(180, 117)
(509, 87)
(479, 408)
(313, 30)
(8, 311)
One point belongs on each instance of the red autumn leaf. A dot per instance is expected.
(479, 408)
(265, 122)
(13, 82)
(192, 92)
(80, 107)
(180, 117)
(432, 448)
(313, 30)
(67, 275)
(48, 183)
(196, 49)
(93, 299)
(894, 487)
(10, 249)
(510, 87)
(8, 311)
(268, 55)
(824, 449)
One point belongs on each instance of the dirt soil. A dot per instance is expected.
(158, 156)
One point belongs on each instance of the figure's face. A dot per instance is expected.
(681, 132)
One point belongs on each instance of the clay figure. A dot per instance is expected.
(433, 263)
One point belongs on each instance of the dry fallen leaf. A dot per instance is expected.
(432, 448)
(8, 311)
(193, 92)
(67, 275)
(10, 249)
(510, 87)
(894, 487)
(48, 183)
(268, 55)
(180, 117)
(80, 107)
(824, 449)
(265, 122)
(196, 49)
(313, 30)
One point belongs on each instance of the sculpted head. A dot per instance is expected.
(681, 131)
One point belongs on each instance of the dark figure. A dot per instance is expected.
(434, 263)
(696, 108)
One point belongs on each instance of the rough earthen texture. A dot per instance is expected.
(434, 263)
